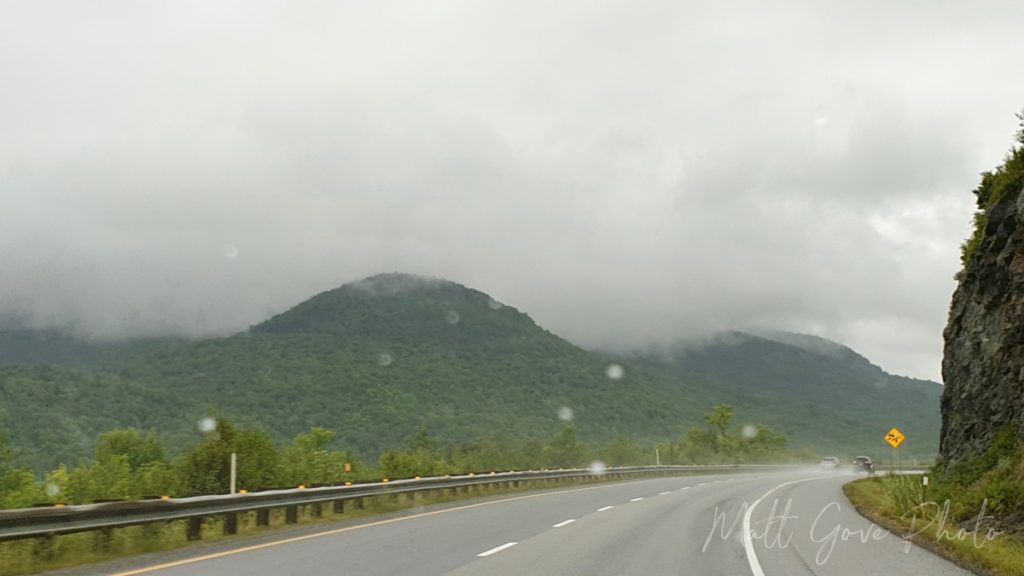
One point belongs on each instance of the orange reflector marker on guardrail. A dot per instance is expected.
(165, 497)
(243, 491)
(349, 483)
(385, 480)
(302, 486)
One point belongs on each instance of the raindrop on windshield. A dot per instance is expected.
(615, 372)
(565, 414)
(207, 424)
(230, 252)
(384, 360)
(452, 317)
(494, 304)
(749, 432)
(597, 467)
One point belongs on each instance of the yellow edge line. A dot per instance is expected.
(349, 529)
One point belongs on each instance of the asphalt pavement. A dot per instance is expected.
(797, 523)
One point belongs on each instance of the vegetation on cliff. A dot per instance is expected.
(1008, 177)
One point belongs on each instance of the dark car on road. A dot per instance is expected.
(863, 464)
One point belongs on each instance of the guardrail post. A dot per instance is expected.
(43, 548)
(339, 506)
(151, 532)
(231, 523)
(103, 539)
(263, 517)
(291, 514)
(194, 530)
(318, 509)
(359, 503)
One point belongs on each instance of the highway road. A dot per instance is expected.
(799, 523)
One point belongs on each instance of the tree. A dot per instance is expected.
(138, 449)
(565, 450)
(206, 468)
(720, 417)
(623, 452)
(309, 460)
(18, 487)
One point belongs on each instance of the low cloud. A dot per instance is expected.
(627, 174)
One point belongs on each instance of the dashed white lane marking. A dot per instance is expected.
(564, 523)
(497, 549)
(637, 499)
(663, 493)
(605, 508)
(685, 488)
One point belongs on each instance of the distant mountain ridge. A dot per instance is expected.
(378, 358)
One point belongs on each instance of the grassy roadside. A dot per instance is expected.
(891, 502)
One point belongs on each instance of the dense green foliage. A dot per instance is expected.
(376, 360)
(130, 464)
(995, 184)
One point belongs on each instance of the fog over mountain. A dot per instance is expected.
(631, 173)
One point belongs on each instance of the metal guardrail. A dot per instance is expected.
(55, 520)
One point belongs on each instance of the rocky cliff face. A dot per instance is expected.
(983, 363)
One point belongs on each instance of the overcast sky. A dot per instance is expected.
(625, 172)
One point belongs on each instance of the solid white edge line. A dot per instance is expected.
(605, 508)
(637, 499)
(564, 523)
(748, 543)
(497, 549)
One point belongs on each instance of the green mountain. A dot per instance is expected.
(821, 394)
(377, 359)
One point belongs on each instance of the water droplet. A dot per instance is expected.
(230, 252)
(384, 359)
(821, 120)
(597, 467)
(494, 304)
(52, 489)
(615, 372)
(207, 424)
(565, 414)
(749, 432)
(452, 317)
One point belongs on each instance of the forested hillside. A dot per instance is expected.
(376, 360)
(822, 394)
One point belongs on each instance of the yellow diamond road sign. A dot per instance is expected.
(895, 437)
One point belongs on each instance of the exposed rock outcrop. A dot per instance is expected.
(983, 363)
